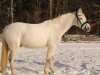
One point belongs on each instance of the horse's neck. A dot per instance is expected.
(67, 21)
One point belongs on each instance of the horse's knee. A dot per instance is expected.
(50, 59)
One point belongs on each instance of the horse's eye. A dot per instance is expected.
(80, 18)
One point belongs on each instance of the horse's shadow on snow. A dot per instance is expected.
(60, 65)
(57, 64)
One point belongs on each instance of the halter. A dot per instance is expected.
(81, 24)
(80, 21)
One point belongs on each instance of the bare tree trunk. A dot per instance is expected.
(0, 7)
(12, 15)
(37, 4)
(51, 9)
(38, 11)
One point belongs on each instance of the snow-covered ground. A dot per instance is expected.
(71, 58)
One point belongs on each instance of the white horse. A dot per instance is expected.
(46, 34)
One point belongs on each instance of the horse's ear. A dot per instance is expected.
(80, 10)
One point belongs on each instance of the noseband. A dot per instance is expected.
(80, 21)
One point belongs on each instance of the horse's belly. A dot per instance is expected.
(34, 42)
(35, 37)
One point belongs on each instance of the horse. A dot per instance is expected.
(46, 34)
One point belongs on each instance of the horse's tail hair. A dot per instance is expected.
(4, 55)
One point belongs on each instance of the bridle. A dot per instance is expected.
(78, 20)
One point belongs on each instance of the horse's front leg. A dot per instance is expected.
(49, 67)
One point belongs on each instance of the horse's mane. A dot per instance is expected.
(60, 18)
(54, 20)
(57, 20)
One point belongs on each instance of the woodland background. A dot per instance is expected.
(37, 11)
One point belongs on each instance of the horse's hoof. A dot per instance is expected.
(45, 74)
(4, 74)
(52, 70)
(13, 73)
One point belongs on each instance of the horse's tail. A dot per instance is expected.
(5, 51)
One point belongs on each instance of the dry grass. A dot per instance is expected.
(80, 38)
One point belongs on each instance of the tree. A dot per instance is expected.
(51, 9)
(12, 15)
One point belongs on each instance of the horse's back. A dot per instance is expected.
(28, 35)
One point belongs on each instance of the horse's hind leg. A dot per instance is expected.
(13, 50)
(11, 60)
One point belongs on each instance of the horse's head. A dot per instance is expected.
(81, 21)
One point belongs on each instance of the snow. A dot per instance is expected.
(71, 58)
